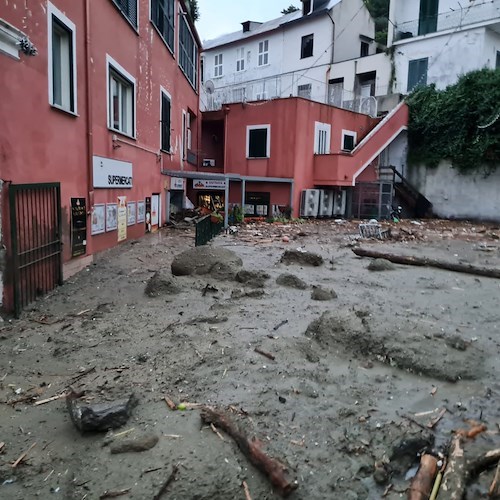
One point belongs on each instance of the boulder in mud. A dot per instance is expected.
(138, 443)
(201, 260)
(322, 294)
(253, 279)
(161, 284)
(302, 258)
(291, 281)
(100, 416)
(381, 265)
(224, 271)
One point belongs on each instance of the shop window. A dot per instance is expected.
(258, 141)
(257, 204)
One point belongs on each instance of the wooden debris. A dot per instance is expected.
(2, 446)
(81, 313)
(247, 491)
(53, 398)
(266, 354)
(474, 431)
(23, 456)
(493, 488)
(212, 426)
(422, 483)
(437, 483)
(148, 471)
(170, 403)
(251, 448)
(424, 261)
(78, 376)
(478, 464)
(436, 420)
(454, 478)
(114, 494)
(279, 325)
(166, 484)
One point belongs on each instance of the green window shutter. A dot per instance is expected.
(428, 16)
(417, 73)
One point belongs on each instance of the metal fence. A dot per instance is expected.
(206, 230)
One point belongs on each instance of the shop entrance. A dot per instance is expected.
(212, 201)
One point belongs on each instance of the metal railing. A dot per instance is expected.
(482, 12)
(206, 230)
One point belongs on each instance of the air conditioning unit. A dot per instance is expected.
(339, 203)
(309, 203)
(326, 201)
(207, 162)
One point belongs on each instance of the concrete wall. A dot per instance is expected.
(459, 196)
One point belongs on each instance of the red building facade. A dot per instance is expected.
(98, 98)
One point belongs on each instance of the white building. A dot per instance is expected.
(436, 41)
(324, 52)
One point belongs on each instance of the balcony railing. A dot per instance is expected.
(488, 12)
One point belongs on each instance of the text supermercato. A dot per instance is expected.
(119, 180)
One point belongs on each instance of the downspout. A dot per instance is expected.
(88, 111)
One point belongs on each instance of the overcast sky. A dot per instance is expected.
(218, 17)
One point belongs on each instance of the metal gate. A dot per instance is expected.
(35, 221)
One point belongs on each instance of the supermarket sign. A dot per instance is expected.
(209, 184)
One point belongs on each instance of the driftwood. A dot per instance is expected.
(251, 448)
(166, 484)
(425, 261)
(493, 488)
(422, 483)
(23, 456)
(268, 355)
(454, 479)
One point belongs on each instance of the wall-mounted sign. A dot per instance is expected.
(141, 211)
(98, 218)
(209, 184)
(78, 227)
(112, 174)
(122, 218)
(111, 216)
(176, 183)
(131, 213)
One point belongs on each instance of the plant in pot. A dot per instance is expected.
(216, 217)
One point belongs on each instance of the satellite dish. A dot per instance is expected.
(209, 87)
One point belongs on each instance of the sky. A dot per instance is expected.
(218, 17)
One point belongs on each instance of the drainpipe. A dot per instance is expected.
(88, 111)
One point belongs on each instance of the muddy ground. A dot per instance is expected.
(359, 355)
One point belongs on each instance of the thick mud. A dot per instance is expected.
(347, 404)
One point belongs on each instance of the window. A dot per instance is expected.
(218, 65)
(258, 141)
(427, 21)
(264, 53)
(188, 53)
(336, 92)
(365, 49)
(121, 99)
(322, 133)
(304, 91)
(417, 73)
(348, 140)
(498, 59)
(165, 121)
(162, 16)
(128, 9)
(306, 7)
(240, 59)
(62, 61)
(306, 47)
(239, 95)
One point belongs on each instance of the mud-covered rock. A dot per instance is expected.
(138, 443)
(253, 279)
(224, 271)
(161, 284)
(201, 260)
(381, 265)
(302, 258)
(252, 294)
(291, 281)
(322, 294)
(100, 416)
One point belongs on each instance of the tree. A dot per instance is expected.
(193, 9)
(291, 8)
(379, 10)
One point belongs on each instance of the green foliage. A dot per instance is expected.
(379, 9)
(460, 124)
(194, 11)
(291, 8)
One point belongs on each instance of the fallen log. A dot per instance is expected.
(493, 488)
(251, 449)
(425, 261)
(422, 483)
(455, 476)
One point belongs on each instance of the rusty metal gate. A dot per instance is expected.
(35, 221)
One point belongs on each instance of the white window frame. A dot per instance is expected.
(52, 12)
(115, 66)
(349, 133)
(240, 59)
(263, 53)
(268, 145)
(322, 138)
(169, 96)
(218, 65)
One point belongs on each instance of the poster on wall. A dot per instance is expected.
(98, 218)
(122, 218)
(155, 202)
(131, 213)
(78, 227)
(111, 216)
(141, 211)
(148, 214)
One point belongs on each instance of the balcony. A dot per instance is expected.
(333, 170)
(459, 18)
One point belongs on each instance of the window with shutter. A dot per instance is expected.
(162, 16)
(165, 122)
(428, 16)
(417, 73)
